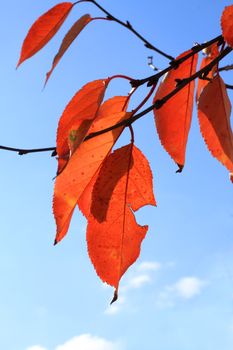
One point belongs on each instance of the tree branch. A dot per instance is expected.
(128, 25)
(175, 64)
(158, 103)
(22, 151)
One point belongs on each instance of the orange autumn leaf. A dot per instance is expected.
(214, 109)
(83, 165)
(43, 29)
(227, 25)
(211, 53)
(72, 34)
(114, 238)
(173, 119)
(77, 118)
(110, 113)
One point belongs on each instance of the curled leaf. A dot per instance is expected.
(173, 119)
(72, 34)
(114, 238)
(214, 109)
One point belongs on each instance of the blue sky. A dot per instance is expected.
(179, 295)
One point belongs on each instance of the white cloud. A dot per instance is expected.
(138, 281)
(185, 288)
(116, 307)
(149, 266)
(36, 347)
(84, 342)
(188, 287)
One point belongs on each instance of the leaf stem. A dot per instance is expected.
(158, 104)
(128, 26)
(175, 64)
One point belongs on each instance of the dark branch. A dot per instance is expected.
(22, 151)
(129, 26)
(158, 103)
(175, 64)
(226, 68)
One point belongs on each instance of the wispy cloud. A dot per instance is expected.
(147, 266)
(141, 276)
(185, 288)
(137, 282)
(84, 342)
(36, 347)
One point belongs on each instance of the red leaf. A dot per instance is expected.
(227, 25)
(211, 53)
(77, 118)
(67, 41)
(214, 109)
(173, 119)
(114, 238)
(44, 29)
(83, 166)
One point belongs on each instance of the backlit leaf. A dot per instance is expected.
(173, 119)
(214, 109)
(45, 27)
(227, 24)
(211, 53)
(68, 39)
(77, 118)
(114, 238)
(83, 165)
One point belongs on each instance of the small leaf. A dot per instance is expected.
(83, 166)
(72, 34)
(211, 53)
(43, 29)
(173, 119)
(227, 25)
(114, 238)
(77, 118)
(214, 109)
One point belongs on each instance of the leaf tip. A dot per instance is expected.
(55, 242)
(180, 168)
(231, 177)
(115, 296)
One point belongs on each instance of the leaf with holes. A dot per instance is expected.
(73, 182)
(173, 119)
(43, 29)
(124, 185)
(77, 118)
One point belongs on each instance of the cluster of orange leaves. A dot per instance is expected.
(107, 186)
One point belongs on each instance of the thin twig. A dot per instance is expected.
(226, 68)
(175, 64)
(127, 122)
(22, 151)
(127, 25)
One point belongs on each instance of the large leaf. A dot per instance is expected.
(227, 24)
(77, 118)
(214, 109)
(173, 119)
(84, 164)
(43, 29)
(72, 34)
(114, 238)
